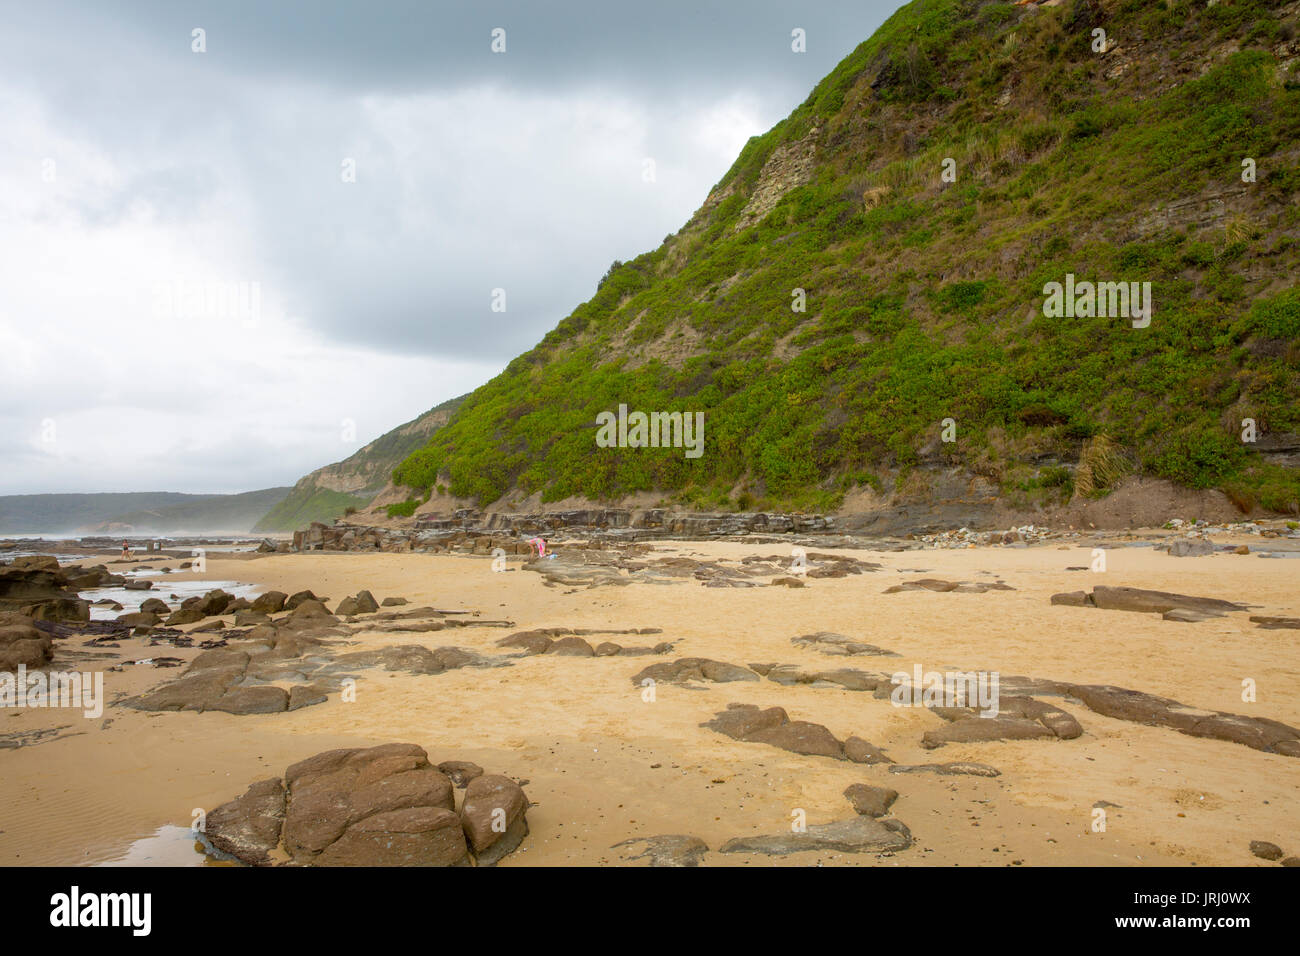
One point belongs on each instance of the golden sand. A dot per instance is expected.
(603, 765)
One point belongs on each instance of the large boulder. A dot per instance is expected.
(413, 836)
(571, 647)
(309, 609)
(1158, 602)
(493, 817)
(294, 600)
(248, 827)
(377, 806)
(214, 602)
(363, 603)
(1191, 548)
(366, 603)
(870, 801)
(381, 806)
(35, 586)
(272, 602)
(21, 643)
(183, 615)
(35, 562)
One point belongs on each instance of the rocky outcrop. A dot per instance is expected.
(1146, 602)
(271, 602)
(860, 834)
(773, 726)
(693, 669)
(35, 586)
(21, 643)
(870, 801)
(1266, 851)
(828, 642)
(791, 164)
(1259, 733)
(248, 827)
(292, 602)
(84, 579)
(461, 772)
(673, 849)
(379, 806)
(468, 530)
(566, 642)
(1190, 547)
(492, 817)
(363, 603)
(1018, 718)
(846, 678)
(958, 769)
(1276, 623)
(941, 586)
(299, 651)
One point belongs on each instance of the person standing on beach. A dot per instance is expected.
(126, 551)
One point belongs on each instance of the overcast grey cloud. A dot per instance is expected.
(134, 171)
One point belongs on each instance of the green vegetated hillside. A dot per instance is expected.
(231, 513)
(329, 492)
(144, 512)
(924, 299)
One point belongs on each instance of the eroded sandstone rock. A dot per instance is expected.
(870, 801)
(36, 587)
(828, 642)
(22, 643)
(248, 827)
(944, 587)
(1148, 602)
(860, 834)
(673, 849)
(493, 817)
(774, 727)
(693, 669)
(1018, 718)
(378, 806)
(956, 769)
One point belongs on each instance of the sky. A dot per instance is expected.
(243, 238)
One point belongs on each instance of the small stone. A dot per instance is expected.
(1265, 850)
(870, 801)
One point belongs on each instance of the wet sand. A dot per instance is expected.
(604, 766)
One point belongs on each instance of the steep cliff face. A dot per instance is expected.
(354, 482)
(862, 307)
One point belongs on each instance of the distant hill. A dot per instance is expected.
(860, 306)
(141, 512)
(328, 492)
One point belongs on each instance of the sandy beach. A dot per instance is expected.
(601, 765)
